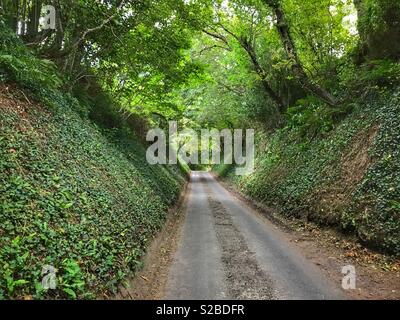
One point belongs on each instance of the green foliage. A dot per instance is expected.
(223, 170)
(72, 280)
(376, 15)
(375, 75)
(296, 174)
(379, 29)
(88, 202)
(20, 65)
(381, 72)
(322, 33)
(73, 194)
(310, 117)
(152, 61)
(375, 213)
(76, 191)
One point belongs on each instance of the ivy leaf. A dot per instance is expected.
(71, 293)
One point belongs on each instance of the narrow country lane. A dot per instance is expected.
(226, 251)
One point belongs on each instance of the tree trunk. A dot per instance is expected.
(379, 32)
(261, 73)
(291, 51)
(247, 46)
(23, 18)
(34, 16)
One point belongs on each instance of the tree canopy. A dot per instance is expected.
(246, 59)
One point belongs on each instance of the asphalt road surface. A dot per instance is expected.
(227, 251)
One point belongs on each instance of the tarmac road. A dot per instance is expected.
(227, 251)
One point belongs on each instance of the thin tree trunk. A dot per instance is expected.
(249, 48)
(261, 73)
(23, 18)
(16, 18)
(34, 16)
(291, 51)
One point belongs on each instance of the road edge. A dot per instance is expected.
(330, 254)
(150, 282)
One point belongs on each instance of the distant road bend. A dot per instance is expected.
(226, 251)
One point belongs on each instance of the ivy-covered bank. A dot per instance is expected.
(348, 177)
(74, 194)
